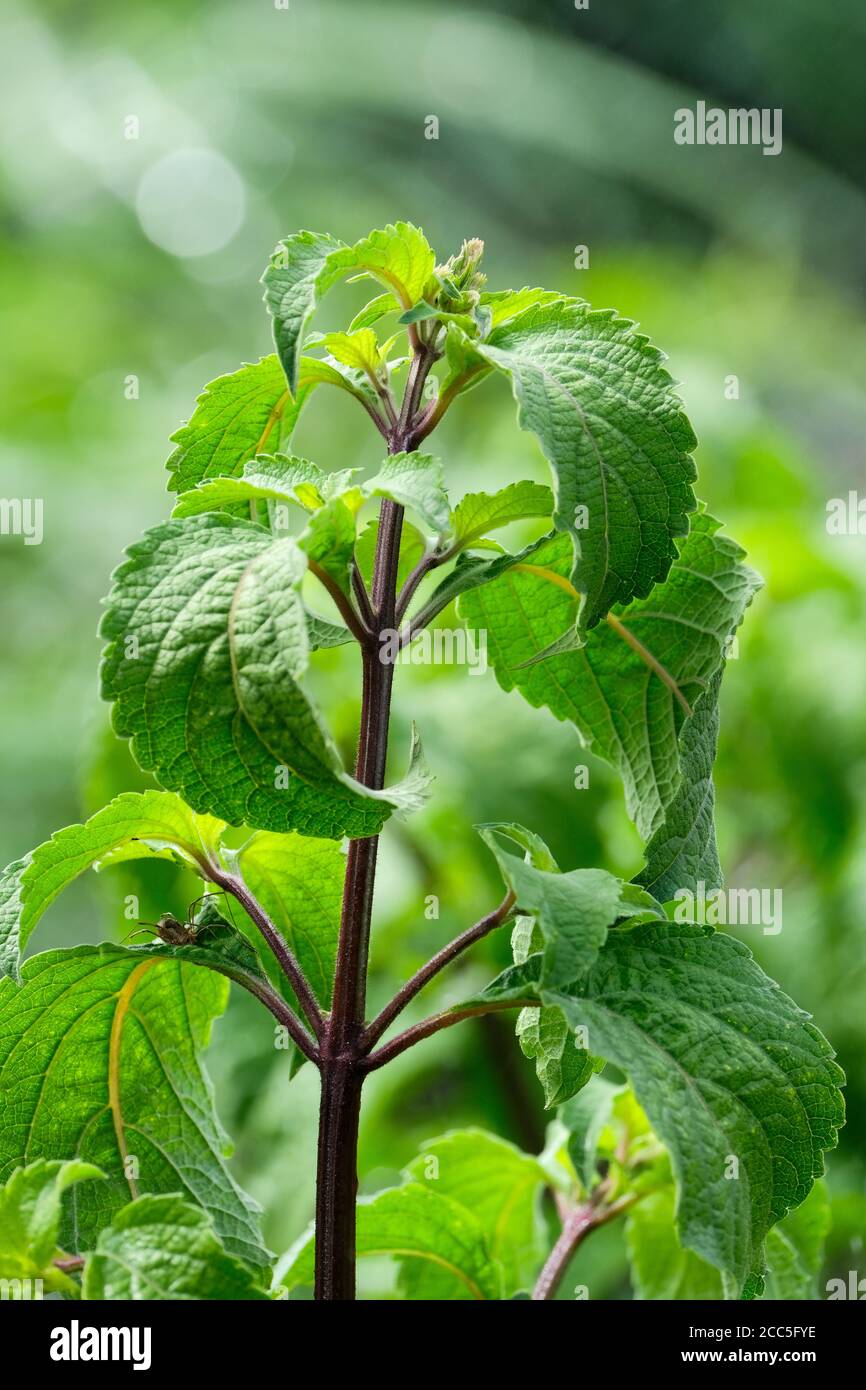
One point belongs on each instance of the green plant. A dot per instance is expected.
(617, 619)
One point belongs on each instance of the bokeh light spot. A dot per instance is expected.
(191, 202)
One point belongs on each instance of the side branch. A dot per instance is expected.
(575, 1228)
(427, 972)
(280, 947)
(425, 566)
(359, 631)
(447, 1019)
(267, 995)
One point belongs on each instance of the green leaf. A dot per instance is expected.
(144, 822)
(398, 255)
(322, 635)
(305, 266)
(358, 349)
(573, 910)
(329, 542)
(683, 849)
(498, 1185)
(480, 512)
(472, 571)
(165, 1248)
(414, 1223)
(377, 309)
(218, 946)
(412, 547)
(621, 707)
(562, 1068)
(795, 1248)
(267, 477)
(725, 1066)
(207, 643)
(299, 882)
(299, 273)
(113, 1040)
(30, 1214)
(232, 422)
(594, 392)
(415, 481)
(505, 305)
(660, 1268)
(584, 1117)
(418, 313)
(571, 914)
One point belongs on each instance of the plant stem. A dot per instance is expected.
(427, 972)
(575, 1228)
(436, 1023)
(355, 625)
(230, 883)
(342, 1075)
(341, 1063)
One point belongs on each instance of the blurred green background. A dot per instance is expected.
(153, 156)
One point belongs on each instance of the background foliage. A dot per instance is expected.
(555, 131)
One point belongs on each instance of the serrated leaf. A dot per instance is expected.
(358, 349)
(499, 1185)
(267, 477)
(472, 571)
(113, 1040)
(210, 696)
(299, 882)
(505, 305)
(328, 541)
(165, 1248)
(232, 422)
(660, 1268)
(323, 635)
(620, 706)
(584, 1116)
(150, 822)
(795, 1248)
(573, 910)
(594, 392)
(683, 849)
(415, 1223)
(570, 917)
(30, 1215)
(399, 255)
(298, 275)
(562, 1068)
(218, 946)
(415, 481)
(726, 1067)
(305, 266)
(480, 512)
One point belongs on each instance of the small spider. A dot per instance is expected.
(173, 932)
